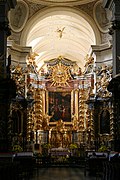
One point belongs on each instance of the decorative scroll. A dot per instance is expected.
(104, 75)
(60, 71)
(61, 59)
(89, 64)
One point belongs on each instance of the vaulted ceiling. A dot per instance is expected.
(60, 31)
(61, 35)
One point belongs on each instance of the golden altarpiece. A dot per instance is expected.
(60, 104)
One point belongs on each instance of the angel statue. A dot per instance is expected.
(60, 31)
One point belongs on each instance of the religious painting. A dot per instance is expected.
(60, 106)
(105, 122)
(17, 123)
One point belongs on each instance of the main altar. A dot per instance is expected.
(61, 105)
(60, 115)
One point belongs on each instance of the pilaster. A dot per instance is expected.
(5, 6)
(114, 85)
(114, 6)
(7, 86)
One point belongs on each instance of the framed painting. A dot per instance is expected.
(105, 122)
(59, 106)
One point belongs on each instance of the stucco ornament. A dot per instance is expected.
(63, 2)
(18, 16)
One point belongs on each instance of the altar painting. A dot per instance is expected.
(60, 106)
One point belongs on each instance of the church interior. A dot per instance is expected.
(59, 75)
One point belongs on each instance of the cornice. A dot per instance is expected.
(101, 47)
(61, 2)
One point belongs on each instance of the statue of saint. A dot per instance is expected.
(45, 122)
(75, 122)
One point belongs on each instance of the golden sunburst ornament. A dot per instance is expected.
(60, 75)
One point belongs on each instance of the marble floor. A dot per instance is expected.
(59, 173)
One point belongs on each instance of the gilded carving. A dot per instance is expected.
(60, 125)
(106, 123)
(104, 75)
(45, 122)
(89, 60)
(75, 122)
(60, 75)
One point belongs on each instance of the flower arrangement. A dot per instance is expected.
(46, 146)
(17, 148)
(45, 149)
(73, 146)
(103, 148)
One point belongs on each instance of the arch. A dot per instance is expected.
(53, 11)
(42, 33)
(62, 2)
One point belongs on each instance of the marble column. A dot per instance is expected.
(7, 86)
